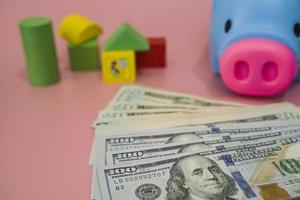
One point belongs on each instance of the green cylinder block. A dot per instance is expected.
(85, 56)
(38, 42)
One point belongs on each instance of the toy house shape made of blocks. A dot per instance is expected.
(118, 56)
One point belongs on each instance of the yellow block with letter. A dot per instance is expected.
(77, 29)
(118, 66)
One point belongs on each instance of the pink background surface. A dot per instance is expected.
(45, 134)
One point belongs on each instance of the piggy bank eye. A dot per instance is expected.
(297, 30)
(228, 25)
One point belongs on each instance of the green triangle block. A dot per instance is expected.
(126, 38)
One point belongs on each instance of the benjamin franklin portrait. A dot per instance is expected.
(199, 178)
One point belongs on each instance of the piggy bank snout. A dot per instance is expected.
(258, 67)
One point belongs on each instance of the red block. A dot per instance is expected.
(155, 57)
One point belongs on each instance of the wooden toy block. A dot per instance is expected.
(40, 53)
(77, 29)
(118, 66)
(85, 56)
(155, 57)
(126, 38)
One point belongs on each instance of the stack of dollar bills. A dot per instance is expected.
(151, 144)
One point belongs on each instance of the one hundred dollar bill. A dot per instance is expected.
(111, 116)
(143, 106)
(237, 137)
(132, 140)
(269, 112)
(170, 149)
(137, 94)
(167, 150)
(222, 173)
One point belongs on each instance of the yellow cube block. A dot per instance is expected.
(118, 66)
